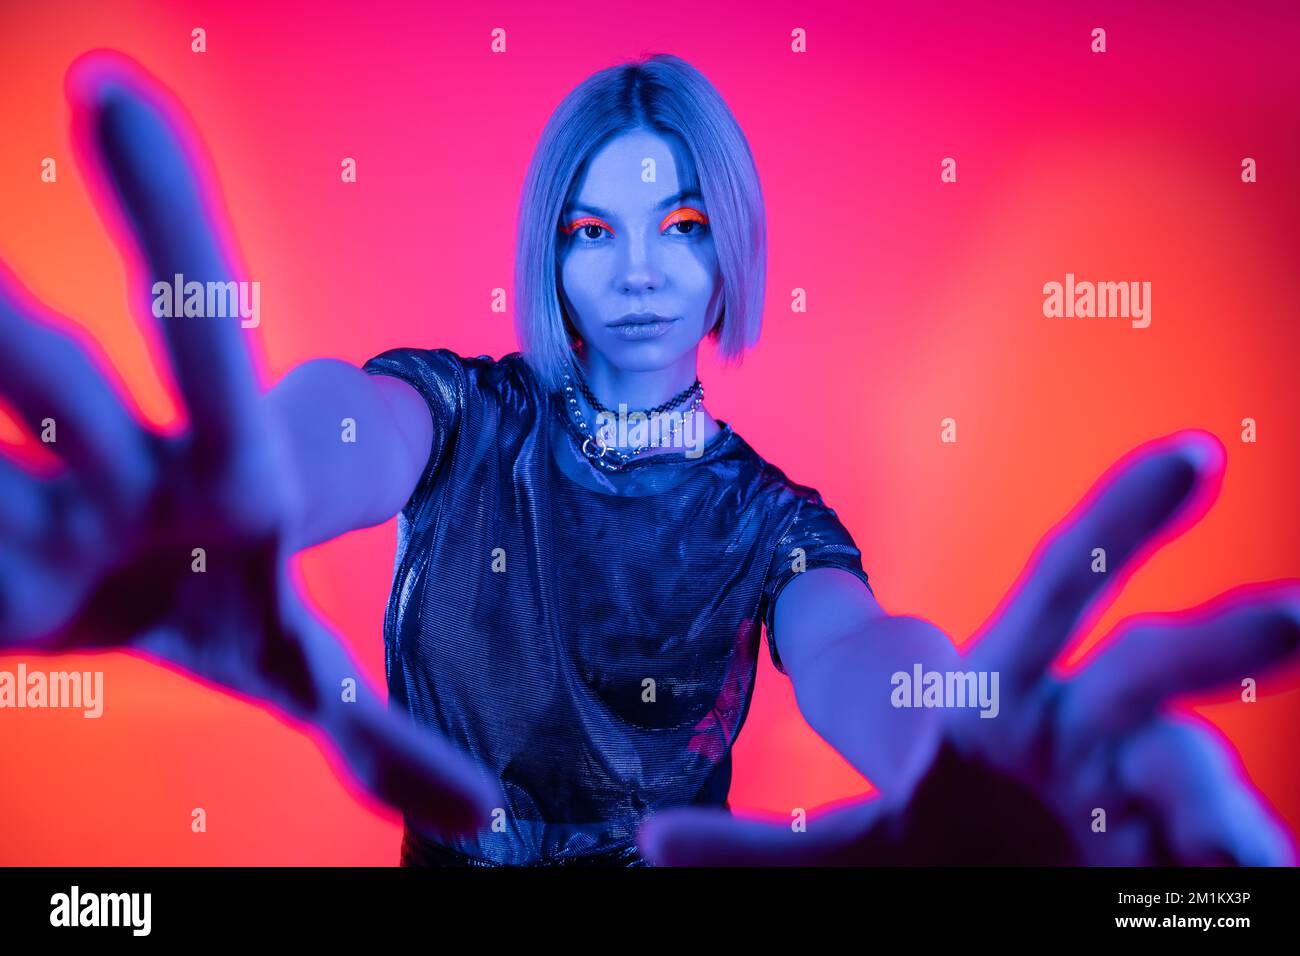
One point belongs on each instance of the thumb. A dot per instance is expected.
(413, 769)
(690, 836)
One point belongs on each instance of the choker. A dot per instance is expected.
(607, 456)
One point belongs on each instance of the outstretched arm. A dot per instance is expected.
(347, 485)
(840, 649)
(176, 547)
(1092, 768)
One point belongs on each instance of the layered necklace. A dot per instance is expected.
(607, 456)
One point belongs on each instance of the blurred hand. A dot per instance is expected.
(1031, 785)
(105, 553)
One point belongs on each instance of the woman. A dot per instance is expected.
(582, 617)
(576, 608)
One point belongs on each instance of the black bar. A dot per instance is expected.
(479, 907)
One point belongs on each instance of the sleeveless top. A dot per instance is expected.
(590, 638)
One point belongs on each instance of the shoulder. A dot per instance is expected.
(772, 487)
(796, 514)
(806, 535)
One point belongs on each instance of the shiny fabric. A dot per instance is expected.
(590, 638)
(419, 852)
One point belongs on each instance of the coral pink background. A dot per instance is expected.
(924, 298)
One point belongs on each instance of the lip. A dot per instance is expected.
(640, 318)
(641, 326)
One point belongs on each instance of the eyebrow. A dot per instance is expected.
(666, 201)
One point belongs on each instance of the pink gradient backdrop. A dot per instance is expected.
(924, 302)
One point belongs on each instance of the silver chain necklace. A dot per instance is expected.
(607, 456)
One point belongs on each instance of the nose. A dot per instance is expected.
(640, 269)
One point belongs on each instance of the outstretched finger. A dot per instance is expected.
(1152, 657)
(1081, 564)
(65, 396)
(1193, 785)
(24, 505)
(413, 769)
(687, 836)
(312, 678)
(146, 163)
(37, 596)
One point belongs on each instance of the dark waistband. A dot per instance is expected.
(417, 851)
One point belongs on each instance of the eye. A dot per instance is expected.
(692, 222)
(580, 227)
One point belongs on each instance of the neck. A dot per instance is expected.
(644, 390)
(637, 390)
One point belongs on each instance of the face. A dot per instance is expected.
(638, 271)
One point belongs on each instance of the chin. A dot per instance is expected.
(650, 355)
(643, 356)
